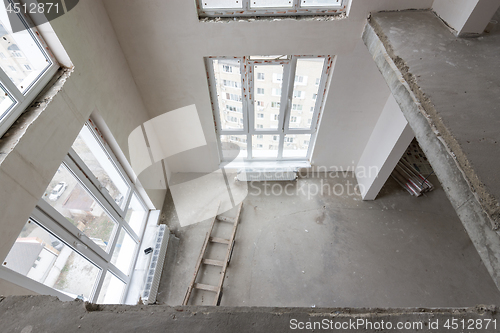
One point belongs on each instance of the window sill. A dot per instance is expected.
(141, 267)
(272, 18)
(266, 165)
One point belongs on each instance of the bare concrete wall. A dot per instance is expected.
(101, 82)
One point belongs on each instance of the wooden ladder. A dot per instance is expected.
(205, 261)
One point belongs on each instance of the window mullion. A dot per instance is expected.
(110, 155)
(312, 142)
(246, 5)
(119, 274)
(55, 228)
(131, 232)
(249, 146)
(296, 4)
(56, 217)
(127, 203)
(11, 87)
(211, 81)
(280, 145)
(250, 113)
(251, 102)
(88, 173)
(98, 287)
(320, 98)
(290, 79)
(93, 189)
(246, 92)
(30, 284)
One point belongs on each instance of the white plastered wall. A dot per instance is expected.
(165, 44)
(466, 16)
(389, 140)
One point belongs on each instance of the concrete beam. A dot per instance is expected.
(46, 314)
(433, 138)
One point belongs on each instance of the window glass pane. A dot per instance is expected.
(305, 91)
(233, 146)
(6, 102)
(72, 201)
(267, 82)
(97, 160)
(136, 215)
(112, 290)
(296, 145)
(265, 146)
(320, 3)
(271, 3)
(214, 4)
(43, 257)
(124, 252)
(21, 57)
(228, 82)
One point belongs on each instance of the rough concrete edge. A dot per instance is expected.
(472, 214)
(16, 132)
(486, 200)
(10, 301)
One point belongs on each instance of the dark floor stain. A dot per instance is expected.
(321, 218)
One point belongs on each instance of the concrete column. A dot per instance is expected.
(466, 16)
(388, 142)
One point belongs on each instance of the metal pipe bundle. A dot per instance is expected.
(411, 179)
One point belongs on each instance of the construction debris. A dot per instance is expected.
(409, 178)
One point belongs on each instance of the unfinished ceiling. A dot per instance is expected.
(164, 44)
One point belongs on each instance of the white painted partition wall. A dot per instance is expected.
(389, 140)
(466, 16)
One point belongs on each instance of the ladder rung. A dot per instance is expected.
(219, 240)
(213, 262)
(225, 218)
(206, 287)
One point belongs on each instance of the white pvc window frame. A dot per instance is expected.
(54, 222)
(295, 9)
(23, 99)
(289, 64)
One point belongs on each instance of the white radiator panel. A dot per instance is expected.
(156, 265)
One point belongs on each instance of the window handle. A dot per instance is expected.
(79, 246)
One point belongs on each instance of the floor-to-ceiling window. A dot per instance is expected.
(268, 106)
(83, 237)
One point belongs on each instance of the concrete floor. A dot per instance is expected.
(337, 251)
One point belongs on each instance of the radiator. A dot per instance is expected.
(250, 175)
(156, 265)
